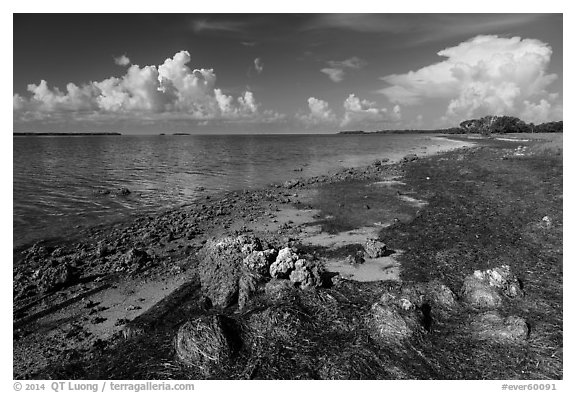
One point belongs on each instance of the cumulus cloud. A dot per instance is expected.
(484, 75)
(122, 60)
(171, 89)
(319, 113)
(356, 113)
(337, 69)
(258, 65)
(359, 112)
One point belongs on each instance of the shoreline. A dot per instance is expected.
(434, 144)
(171, 240)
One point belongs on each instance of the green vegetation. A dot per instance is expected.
(507, 124)
(486, 125)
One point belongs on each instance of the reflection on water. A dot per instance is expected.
(56, 179)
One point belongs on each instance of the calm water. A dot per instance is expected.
(56, 179)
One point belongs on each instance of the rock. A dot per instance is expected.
(306, 274)
(493, 327)
(220, 267)
(291, 183)
(284, 263)
(247, 286)
(484, 288)
(58, 252)
(393, 319)
(479, 294)
(101, 250)
(384, 160)
(375, 248)
(202, 343)
(52, 278)
(260, 261)
(439, 295)
(355, 259)
(376, 163)
(135, 259)
(546, 222)
(410, 157)
(123, 191)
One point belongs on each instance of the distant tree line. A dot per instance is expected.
(486, 125)
(504, 125)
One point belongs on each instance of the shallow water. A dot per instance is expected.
(56, 179)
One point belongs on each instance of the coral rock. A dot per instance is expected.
(375, 248)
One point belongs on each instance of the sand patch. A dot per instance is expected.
(389, 183)
(413, 201)
(373, 269)
(376, 269)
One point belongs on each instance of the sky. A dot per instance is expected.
(282, 73)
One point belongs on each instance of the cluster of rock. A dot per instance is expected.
(485, 291)
(399, 314)
(122, 191)
(375, 170)
(373, 248)
(237, 267)
(403, 312)
(47, 269)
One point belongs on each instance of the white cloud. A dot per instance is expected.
(484, 75)
(122, 60)
(258, 65)
(357, 113)
(319, 113)
(364, 113)
(337, 69)
(171, 89)
(335, 74)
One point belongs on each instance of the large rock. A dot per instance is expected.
(220, 267)
(393, 319)
(133, 260)
(492, 326)
(299, 271)
(306, 274)
(375, 248)
(484, 289)
(284, 263)
(55, 277)
(248, 286)
(433, 293)
(477, 293)
(438, 294)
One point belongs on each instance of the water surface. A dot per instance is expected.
(57, 179)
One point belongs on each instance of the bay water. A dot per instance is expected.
(58, 182)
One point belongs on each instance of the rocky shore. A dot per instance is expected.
(313, 278)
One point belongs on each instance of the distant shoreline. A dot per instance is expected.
(67, 134)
